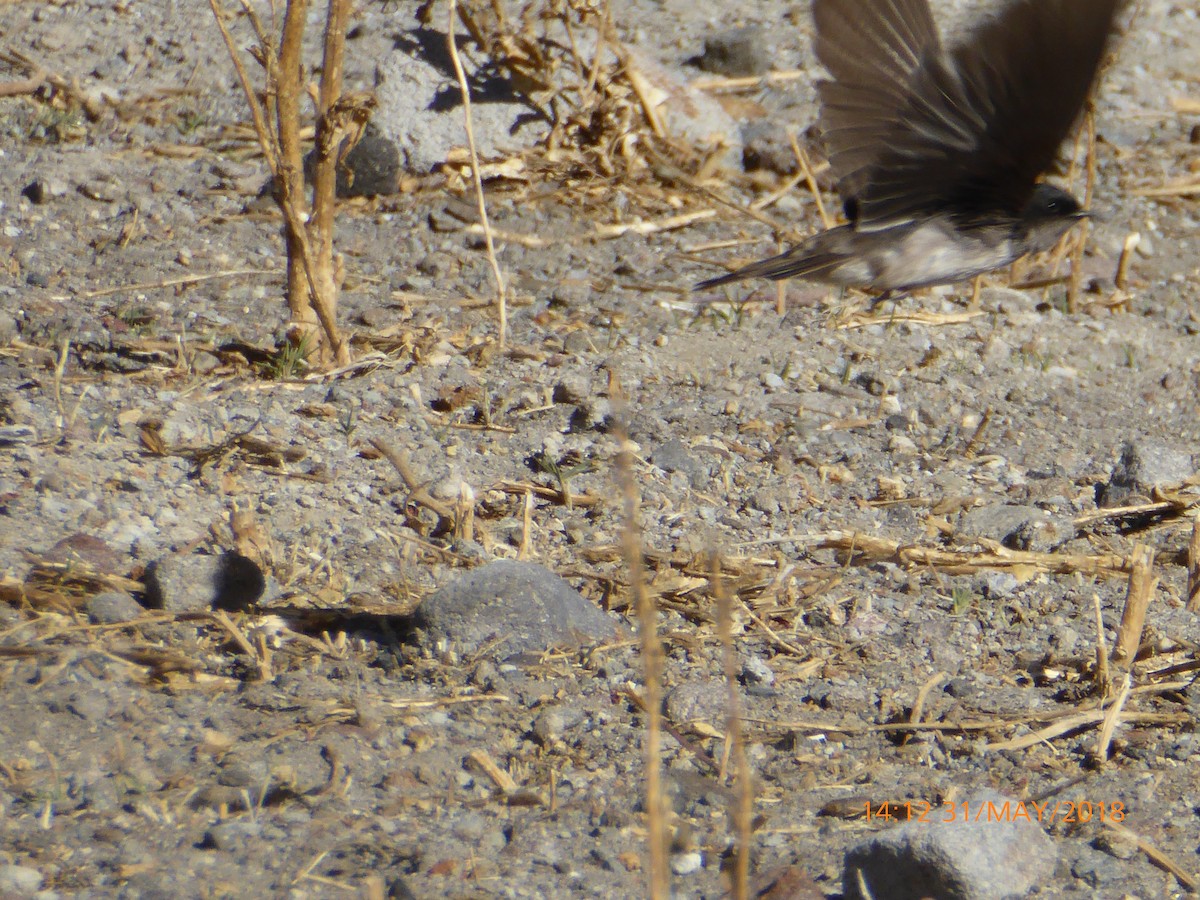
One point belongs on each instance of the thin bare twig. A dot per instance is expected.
(735, 744)
(1109, 726)
(1193, 567)
(657, 872)
(501, 301)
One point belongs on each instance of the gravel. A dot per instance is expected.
(243, 657)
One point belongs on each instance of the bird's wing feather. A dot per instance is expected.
(980, 123)
(873, 50)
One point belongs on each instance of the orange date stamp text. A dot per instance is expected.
(966, 812)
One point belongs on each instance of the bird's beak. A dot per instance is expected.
(1088, 214)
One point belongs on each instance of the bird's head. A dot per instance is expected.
(1048, 214)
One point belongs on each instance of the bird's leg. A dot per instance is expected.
(887, 295)
(976, 289)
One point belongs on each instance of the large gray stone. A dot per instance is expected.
(199, 583)
(420, 112)
(511, 608)
(112, 608)
(1142, 468)
(994, 855)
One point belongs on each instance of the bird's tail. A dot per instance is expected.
(812, 259)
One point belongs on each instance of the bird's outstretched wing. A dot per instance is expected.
(873, 49)
(976, 125)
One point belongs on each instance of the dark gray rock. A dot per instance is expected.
(231, 835)
(993, 856)
(17, 434)
(1097, 869)
(371, 168)
(755, 671)
(571, 388)
(1141, 469)
(197, 583)
(84, 549)
(43, 190)
(113, 607)
(739, 51)
(512, 608)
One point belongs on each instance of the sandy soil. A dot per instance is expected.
(326, 753)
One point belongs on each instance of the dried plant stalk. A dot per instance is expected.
(1133, 619)
(657, 872)
(1101, 680)
(1109, 726)
(1076, 282)
(1193, 568)
(497, 274)
(314, 277)
(735, 743)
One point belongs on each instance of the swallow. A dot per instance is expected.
(937, 153)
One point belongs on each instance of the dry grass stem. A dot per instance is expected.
(1193, 567)
(1173, 189)
(497, 274)
(1101, 680)
(543, 492)
(487, 765)
(93, 104)
(417, 491)
(642, 227)
(443, 702)
(865, 549)
(1059, 723)
(1111, 717)
(1156, 856)
(647, 95)
(1089, 124)
(972, 448)
(511, 237)
(259, 654)
(526, 525)
(735, 745)
(769, 200)
(748, 82)
(864, 319)
(657, 870)
(1077, 721)
(1152, 510)
(918, 707)
(806, 170)
(1133, 618)
(773, 637)
(175, 282)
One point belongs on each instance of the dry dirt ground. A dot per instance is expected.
(907, 501)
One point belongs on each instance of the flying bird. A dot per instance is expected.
(937, 152)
